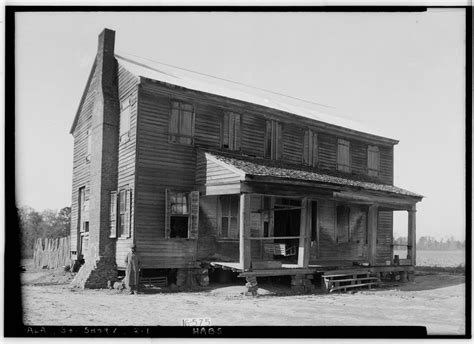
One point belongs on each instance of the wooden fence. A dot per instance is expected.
(52, 253)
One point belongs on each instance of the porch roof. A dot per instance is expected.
(247, 166)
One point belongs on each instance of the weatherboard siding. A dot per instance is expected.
(127, 87)
(160, 165)
(81, 167)
(330, 247)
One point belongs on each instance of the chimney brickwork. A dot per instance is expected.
(100, 263)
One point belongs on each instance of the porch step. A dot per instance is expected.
(345, 287)
(343, 280)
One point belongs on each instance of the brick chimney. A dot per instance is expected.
(100, 263)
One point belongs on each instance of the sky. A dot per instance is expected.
(400, 73)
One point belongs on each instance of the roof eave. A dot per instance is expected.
(83, 98)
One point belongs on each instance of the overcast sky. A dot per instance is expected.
(401, 73)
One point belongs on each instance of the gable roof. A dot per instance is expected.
(83, 98)
(266, 168)
(142, 67)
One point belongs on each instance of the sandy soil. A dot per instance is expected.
(436, 301)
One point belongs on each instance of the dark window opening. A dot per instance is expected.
(179, 227)
(343, 234)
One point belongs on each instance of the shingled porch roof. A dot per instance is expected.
(247, 166)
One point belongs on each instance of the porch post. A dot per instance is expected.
(372, 219)
(305, 232)
(244, 231)
(411, 252)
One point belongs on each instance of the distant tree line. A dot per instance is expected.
(46, 224)
(430, 243)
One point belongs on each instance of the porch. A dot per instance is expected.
(300, 223)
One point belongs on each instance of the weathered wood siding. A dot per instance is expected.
(384, 237)
(81, 167)
(209, 172)
(127, 86)
(159, 165)
(327, 151)
(329, 248)
(293, 144)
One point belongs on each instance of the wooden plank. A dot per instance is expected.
(305, 234)
(244, 231)
(372, 233)
(277, 272)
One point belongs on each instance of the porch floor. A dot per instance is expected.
(294, 269)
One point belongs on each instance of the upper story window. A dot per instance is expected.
(229, 217)
(125, 113)
(310, 148)
(230, 135)
(89, 145)
(273, 140)
(343, 155)
(181, 125)
(373, 161)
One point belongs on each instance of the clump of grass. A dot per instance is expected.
(460, 269)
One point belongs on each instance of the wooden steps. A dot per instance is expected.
(348, 279)
(161, 281)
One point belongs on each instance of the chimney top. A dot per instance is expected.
(106, 42)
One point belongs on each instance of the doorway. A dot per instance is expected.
(287, 214)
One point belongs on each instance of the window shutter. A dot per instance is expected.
(315, 150)
(167, 214)
(306, 147)
(128, 214)
(231, 131)
(343, 159)
(279, 140)
(194, 215)
(268, 139)
(237, 135)
(373, 160)
(225, 131)
(113, 214)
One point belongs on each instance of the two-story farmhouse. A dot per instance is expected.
(194, 169)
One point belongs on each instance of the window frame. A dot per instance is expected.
(220, 216)
(176, 134)
(127, 212)
(192, 214)
(339, 165)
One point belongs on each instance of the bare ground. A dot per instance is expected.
(434, 300)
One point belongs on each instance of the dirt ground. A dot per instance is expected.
(434, 300)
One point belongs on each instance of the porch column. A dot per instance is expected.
(411, 252)
(244, 231)
(305, 232)
(372, 218)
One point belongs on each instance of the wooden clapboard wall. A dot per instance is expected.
(329, 247)
(209, 111)
(127, 86)
(160, 165)
(81, 166)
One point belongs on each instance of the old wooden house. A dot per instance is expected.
(197, 170)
